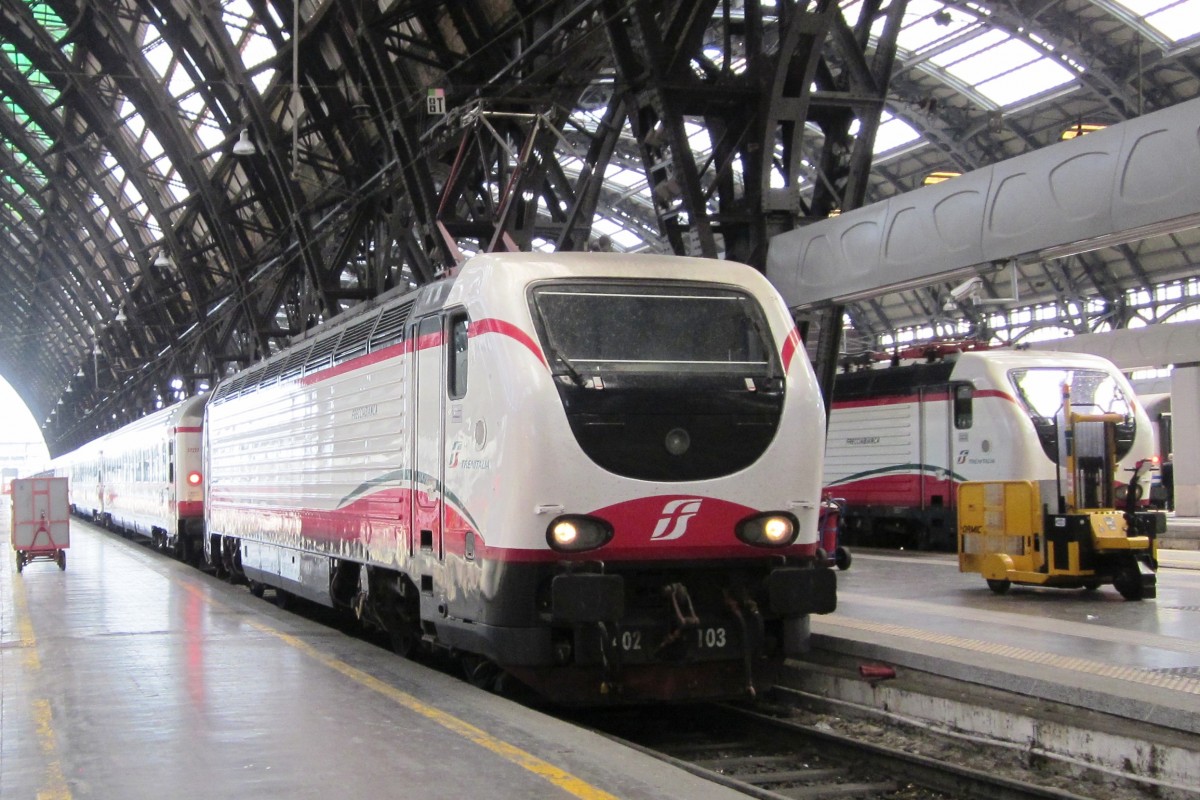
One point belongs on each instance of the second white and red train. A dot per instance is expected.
(903, 437)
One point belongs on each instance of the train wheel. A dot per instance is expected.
(821, 557)
(1091, 586)
(999, 586)
(257, 589)
(481, 673)
(404, 641)
(841, 557)
(283, 598)
(404, 629)
(62, 559)
(20, 561)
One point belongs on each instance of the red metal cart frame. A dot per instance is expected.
(40, 523)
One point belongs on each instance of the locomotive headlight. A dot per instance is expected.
(564, 534)
(677, 442)
(194, 478)
(774, 529)
(573, 533)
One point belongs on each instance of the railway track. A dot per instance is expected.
(768, 757)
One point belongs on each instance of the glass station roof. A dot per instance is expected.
(963, 47)
(960, 45)
(133, 187)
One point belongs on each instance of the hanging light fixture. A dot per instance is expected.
(1081, 129)
(162, 259)
(244, 146)
(939, 177)
(120, 319)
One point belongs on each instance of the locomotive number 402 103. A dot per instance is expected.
(707, 638)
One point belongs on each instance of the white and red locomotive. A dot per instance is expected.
(903, 437)
(145, 479)
(589, 470)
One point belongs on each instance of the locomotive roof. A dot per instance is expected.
(381, 322)
(1039, 358)
(907, 378)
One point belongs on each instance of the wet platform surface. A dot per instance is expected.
(1135, 659)
(133, 676)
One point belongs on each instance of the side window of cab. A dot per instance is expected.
(964, 401)
(459, 327)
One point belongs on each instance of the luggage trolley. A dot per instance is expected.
(40, 522)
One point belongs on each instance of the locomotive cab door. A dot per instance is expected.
(429, 436)
(934, 448)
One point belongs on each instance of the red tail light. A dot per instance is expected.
(194, 478)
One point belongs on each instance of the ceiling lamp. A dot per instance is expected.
(938, 177)
(120, 319)
(1080, 129)
(163, 260)
(244, 146)
(80, 373)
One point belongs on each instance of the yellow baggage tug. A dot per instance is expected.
(1007, 532)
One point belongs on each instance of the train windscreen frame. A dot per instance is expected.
(662, 380)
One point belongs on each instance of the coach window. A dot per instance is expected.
(964, 394)
(457, 382)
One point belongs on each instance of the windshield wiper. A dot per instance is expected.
(573, 373)
(556, 355)
(764, 335)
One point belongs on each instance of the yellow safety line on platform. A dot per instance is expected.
(1177, 683)
(55, 787)
(543, 769)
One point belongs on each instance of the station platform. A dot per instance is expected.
(1139, 660)
(135, 676)
(130, 675)
(1077, 675)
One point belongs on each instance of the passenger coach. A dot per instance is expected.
(589, 471)
(145, 479)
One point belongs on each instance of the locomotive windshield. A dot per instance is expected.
(662, 380)
(1040, 390)
(1093, 391)
(653, 328)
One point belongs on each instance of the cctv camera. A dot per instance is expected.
(967, 289)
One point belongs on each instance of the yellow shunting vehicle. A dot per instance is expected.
(1008, 532)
